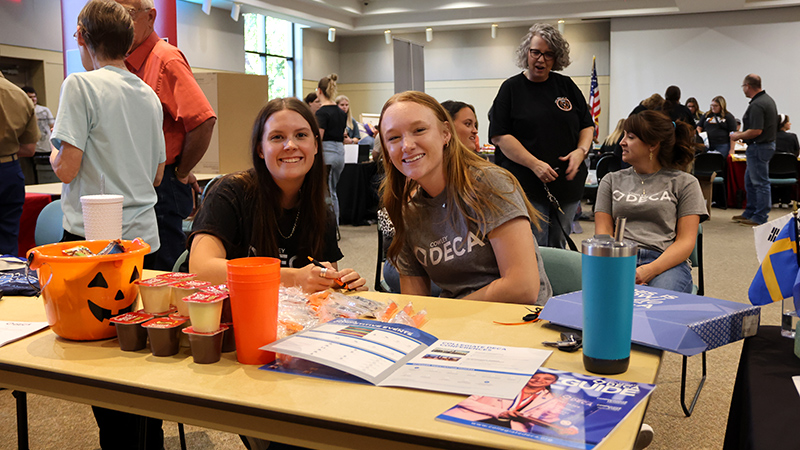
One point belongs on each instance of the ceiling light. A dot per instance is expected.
(388, 35)
(235, 10)
(207, 7)
(561, 26)
(331, 34)
(494, 30)
(429, 34)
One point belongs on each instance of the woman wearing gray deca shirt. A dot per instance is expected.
(663, 204)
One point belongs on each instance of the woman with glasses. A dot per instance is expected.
(542, 130)
(718, 124)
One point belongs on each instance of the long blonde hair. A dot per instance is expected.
(613, 138)
(339, 98)
(462, 170)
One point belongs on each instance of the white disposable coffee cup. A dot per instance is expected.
(102, 216)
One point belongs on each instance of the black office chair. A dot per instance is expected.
(711, 162)
(607, 163)
(783, 175)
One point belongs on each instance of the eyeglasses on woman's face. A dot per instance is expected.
(536, 54)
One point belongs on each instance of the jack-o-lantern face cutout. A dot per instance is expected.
(89, 298)
(100, 313)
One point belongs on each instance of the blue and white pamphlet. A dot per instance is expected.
(387, 354)
(560, 408)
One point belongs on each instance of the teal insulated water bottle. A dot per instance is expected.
(608, 274)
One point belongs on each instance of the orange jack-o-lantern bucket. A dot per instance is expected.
(81, 293)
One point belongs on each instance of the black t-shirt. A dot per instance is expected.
(787, 142)
(226, 213)
(546, 118)
(333, 120)
(761, 114)
(682, 113)
(718, 127)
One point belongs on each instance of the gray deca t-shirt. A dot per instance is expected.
(456, 256)
(652, 208)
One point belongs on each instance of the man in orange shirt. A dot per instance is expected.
(188, 123)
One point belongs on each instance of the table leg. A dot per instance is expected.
(22, 419)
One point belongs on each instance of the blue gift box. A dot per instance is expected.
(667, 320)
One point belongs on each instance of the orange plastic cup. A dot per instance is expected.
(253, 285)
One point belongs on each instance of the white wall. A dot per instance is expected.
(706, 55)
(31, 23)
(320, 57)
(213, 41)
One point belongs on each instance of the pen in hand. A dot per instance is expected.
(339, 283)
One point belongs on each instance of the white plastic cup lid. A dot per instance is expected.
(103, 198)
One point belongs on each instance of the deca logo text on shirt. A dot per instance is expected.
(632, 197)
(445, 250)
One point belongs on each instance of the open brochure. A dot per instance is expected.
(387, 354)
(560, 408)
(13, 331)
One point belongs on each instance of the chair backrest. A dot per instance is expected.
(209, 184)
(783, 165)
(709, 162)
(608, 162)
(383, 245)
(49, 224)
(696, 258)
(563, 268)
(179, 262)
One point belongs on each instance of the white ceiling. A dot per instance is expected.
(375, 16)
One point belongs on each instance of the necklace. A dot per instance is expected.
(294, 227)
(645, 179)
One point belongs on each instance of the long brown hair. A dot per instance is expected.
(265, 196)
(462, 170)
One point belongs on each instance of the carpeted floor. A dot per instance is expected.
(730, 263)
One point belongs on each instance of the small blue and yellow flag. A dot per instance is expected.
(775, 279)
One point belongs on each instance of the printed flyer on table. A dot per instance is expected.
(399, 355)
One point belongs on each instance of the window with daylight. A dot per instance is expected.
(269, 50)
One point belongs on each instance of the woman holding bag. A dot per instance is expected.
(542, 130)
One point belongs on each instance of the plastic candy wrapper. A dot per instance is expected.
(113, 247)
(406, 316)
(352, 306)
(386, 314)
(298, 310)
(79, 250)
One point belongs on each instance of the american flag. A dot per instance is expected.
(594, 101)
